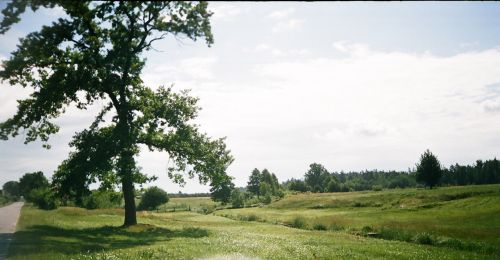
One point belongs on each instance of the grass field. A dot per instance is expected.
(468, 214)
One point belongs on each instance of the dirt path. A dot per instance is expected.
(8, 220)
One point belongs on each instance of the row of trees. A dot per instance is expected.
(428, 172)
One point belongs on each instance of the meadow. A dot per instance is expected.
(445, 223)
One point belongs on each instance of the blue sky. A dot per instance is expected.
(350, 85)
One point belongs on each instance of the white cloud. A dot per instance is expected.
(189, 69)
(225, 11)
(356, 49)
(277, 52)
(492, 105)
(288, 25)
(280, 14)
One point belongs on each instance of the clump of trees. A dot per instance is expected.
(262, 187)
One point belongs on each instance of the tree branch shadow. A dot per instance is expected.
(41, 238)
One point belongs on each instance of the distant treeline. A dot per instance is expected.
(318, 179)
(186, 195)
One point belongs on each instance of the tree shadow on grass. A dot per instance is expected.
(45, 238)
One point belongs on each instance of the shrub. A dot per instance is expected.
(366, 229)
(395, 234)
(336, 227)
(237, 199)
(298, 222)
(44, 198)
(103, 199)
(280, 194)
(266, 199)
(152, 198)
(319, 226)
(376, 188)
(424, 239)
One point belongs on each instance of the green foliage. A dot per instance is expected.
(317, 177)
(319, 226)
(3, 200)
(11, 190)
(97, 51)
(237, 199)
(376, 188)
(333, 185)
(221, 189)
(30, 182)
(253, 185)
(429, 169)
(262, 183)
(103, 199)
(44, 198)
(297, 185)
(266, 199)
(152, 198)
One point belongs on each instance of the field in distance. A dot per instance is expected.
(451, 223)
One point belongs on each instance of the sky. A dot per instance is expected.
(352, 86)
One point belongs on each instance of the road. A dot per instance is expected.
(8, 220)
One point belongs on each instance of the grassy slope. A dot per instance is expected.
(72, 233)
(469, 213)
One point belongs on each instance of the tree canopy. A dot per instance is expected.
(95, 53)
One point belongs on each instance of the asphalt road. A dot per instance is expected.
(8, 221)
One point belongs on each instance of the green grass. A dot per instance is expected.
(72, 233)
(468, 213)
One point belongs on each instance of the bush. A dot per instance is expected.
(103, 200)
(251, 217)
(376, 188)
(424, 239)
(299, 222)
(237, 199)
(336, 227)
(319, 226)
(366, 229)
(280, 194)
(266, 199)
(44, 198)
(152, 198)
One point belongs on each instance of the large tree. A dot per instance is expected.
(32, 181)
(429, 169)
(11, 189)
(95, 52)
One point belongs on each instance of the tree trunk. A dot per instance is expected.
(126, 168)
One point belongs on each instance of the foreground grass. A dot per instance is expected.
(464, 217)
(72, 233)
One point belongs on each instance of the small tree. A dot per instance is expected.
(429, 169)
(152, 198)
(253, 185)
(237, 199)
(11, 190)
